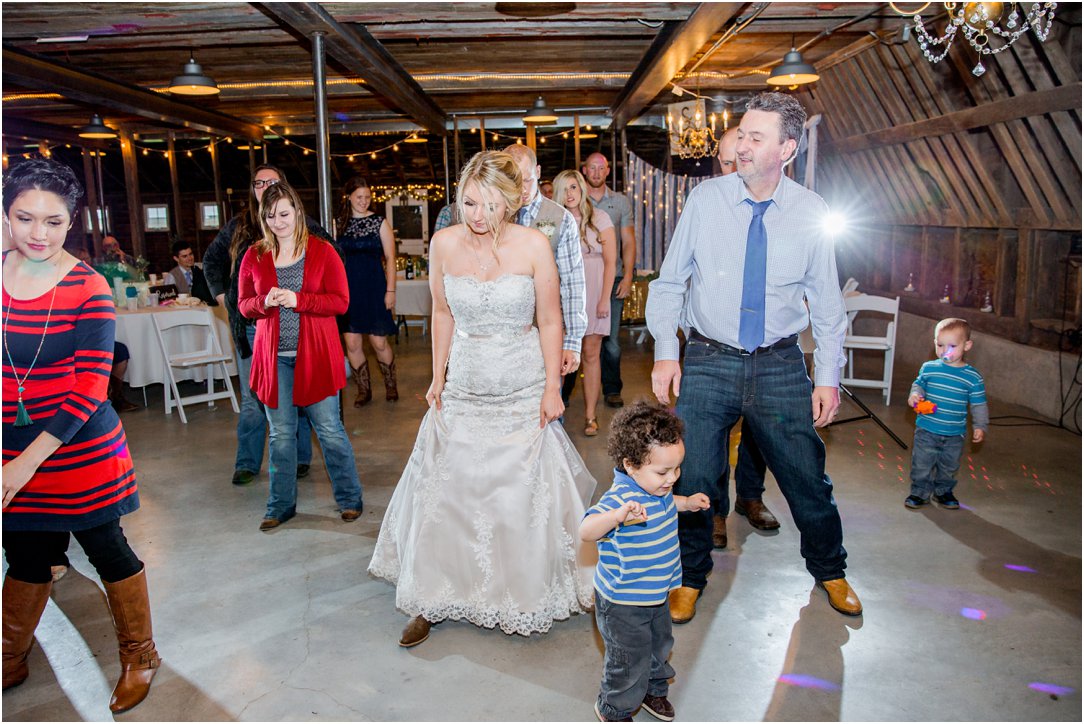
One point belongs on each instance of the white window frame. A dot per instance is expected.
(200, 219)
(147, 209)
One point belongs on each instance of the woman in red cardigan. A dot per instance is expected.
(294, 284)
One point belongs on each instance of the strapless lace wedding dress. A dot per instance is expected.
(483, 523)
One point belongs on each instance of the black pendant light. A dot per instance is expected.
(540, 113)
(193, 82)
(793, 71)
(96, 129)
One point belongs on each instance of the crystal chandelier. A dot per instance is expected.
(693, 137)
(981, 21)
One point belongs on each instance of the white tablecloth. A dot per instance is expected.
(146, 366)
(412, 297)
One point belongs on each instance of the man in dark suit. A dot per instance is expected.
(186, 276)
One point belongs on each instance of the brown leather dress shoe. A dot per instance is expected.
(416, 631)
(758, 514)
(841, 596)
(683, 604)
(349, 515)
(718, 532)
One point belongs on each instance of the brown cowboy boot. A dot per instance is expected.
(23, 604)
(139, 661)
(361, 379)
(390, 388)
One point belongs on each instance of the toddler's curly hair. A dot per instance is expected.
(638, 428)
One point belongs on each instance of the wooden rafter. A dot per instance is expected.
(98, 91)
(674, 46)
(360, 53)
(986, 114)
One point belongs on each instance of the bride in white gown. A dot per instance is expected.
(483, 523)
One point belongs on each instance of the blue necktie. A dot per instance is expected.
(188, 277)
(751, 328)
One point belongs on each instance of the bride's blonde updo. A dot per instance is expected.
(494, 172)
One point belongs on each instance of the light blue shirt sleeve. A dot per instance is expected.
(666, 294)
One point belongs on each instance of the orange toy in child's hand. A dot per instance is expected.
(925, 407)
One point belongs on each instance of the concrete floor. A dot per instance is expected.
(969, 615)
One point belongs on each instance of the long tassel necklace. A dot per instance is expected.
(22, 417)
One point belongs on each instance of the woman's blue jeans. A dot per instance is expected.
(772, 391)
(252, 423)
(338, 453)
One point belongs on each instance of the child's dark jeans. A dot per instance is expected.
(638, 641)
(934, 462)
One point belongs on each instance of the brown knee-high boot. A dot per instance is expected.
(139, 661)
(361, 379)
(391, 390)
(23, 604)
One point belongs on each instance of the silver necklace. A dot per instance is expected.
(483, 267)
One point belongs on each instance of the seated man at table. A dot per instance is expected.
(186, 276)
(111, 250)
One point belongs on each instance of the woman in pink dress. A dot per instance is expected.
(598, 241)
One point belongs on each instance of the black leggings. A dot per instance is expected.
(30, 554)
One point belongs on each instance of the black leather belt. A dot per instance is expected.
(785, 342)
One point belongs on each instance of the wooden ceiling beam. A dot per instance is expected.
(674, 46)
(98, 91)
(48, 132)
(361, 54)
(1062, 98)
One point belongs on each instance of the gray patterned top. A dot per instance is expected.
(290, 277)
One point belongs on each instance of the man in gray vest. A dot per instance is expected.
(559, 226)
(596, 169)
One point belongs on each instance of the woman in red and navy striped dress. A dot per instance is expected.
(67, 469)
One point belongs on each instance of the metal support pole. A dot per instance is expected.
(323, 155)
(175, 183)
(447, 172)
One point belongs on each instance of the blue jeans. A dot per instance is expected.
(749, 480)
(338, 453)
(611, 347)
(772, 391)
(638, 642)
(252, 424)
(934, 462)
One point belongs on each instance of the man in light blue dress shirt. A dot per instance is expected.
(791, 263)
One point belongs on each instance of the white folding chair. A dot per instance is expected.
(886, 343)
(206, 353)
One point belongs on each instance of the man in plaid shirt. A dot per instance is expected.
(558, 224)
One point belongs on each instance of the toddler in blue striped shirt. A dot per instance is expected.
(635, 527)
(952, 385)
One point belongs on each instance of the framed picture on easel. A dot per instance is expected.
(409, 219)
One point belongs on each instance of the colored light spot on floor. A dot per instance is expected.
(1017, 567)
(1049, 688)
(975, 614)
(810, 682)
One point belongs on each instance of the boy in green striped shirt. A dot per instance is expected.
(953, 386)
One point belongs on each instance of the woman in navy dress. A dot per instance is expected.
(368, 246)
